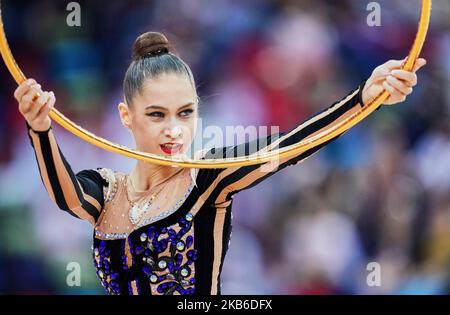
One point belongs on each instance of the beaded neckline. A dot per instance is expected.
(150, 220)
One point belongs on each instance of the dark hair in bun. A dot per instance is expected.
(149, 45)
(152, 57)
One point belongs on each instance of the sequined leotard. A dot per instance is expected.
(181, 249)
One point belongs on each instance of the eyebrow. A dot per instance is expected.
(163, 108)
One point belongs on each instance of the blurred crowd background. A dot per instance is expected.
(381, 193)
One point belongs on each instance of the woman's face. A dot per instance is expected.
(163, 118)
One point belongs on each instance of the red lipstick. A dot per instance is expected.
(171, 148)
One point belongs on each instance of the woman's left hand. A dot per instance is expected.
(391, 78)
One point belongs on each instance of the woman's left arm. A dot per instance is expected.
(398, 83)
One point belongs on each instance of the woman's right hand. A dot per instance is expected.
(36, 112)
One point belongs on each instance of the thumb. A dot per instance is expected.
(419, 64)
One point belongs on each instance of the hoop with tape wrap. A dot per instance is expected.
(253, 159)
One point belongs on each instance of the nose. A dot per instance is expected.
(173, 132)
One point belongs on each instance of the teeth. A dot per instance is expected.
(170, 146)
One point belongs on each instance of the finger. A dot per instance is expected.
(394, 64)
(399, 85)
(409, 77)
(380, 73)
(45, 110)
(23, 88)
(395, 94)
(36, 89)
(26, 103)
(384, 70)
(43, 99)
(36, 96)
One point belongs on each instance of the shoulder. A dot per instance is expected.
(111, 180)
(206, 177)
(198, 155)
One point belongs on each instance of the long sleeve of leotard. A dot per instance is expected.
(231, 180)
(81, 194)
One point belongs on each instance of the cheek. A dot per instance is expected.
(189, 129)
(148, 132)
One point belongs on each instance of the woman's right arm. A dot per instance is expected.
(81, 194)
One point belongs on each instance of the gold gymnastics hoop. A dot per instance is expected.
(253, 159)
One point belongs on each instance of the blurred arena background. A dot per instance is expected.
(381, 193)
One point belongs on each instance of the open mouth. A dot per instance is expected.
(171, 148)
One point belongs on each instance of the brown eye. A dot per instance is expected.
(156, 114)
(186, 113)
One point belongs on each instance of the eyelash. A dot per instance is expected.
(190, 111)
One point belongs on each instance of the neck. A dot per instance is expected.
(145, 176)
